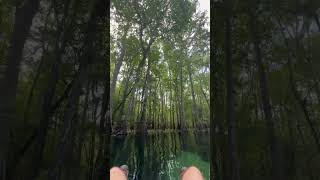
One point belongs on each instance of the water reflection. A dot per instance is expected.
(161, 155)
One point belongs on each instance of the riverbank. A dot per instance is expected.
(156, 131)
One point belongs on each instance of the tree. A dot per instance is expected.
(8, 87)
(230, 96)
(97, 15)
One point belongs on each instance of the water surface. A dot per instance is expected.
(160, 156)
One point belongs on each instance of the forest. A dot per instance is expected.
(159, 89)
(85, 85)
(264, 90)
(74, 72)
(159, 55)
(54, 88)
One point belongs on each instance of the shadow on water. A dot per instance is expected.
(161, 155)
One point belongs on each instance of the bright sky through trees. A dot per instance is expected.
(204, 5)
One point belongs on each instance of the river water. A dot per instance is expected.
(160, 156)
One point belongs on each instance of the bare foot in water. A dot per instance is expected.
(119, 173)
(191, 173)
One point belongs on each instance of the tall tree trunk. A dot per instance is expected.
(131, 106)
(8, 85)
(265, 98)
(171, 100)
(117, 67)
(177, 105)
(183, 124)
(195, 111)
(230, 110)
(171, 116)
(145, 53)
(204, 94)
(98, 14)
(141, 123)
(49, 93)
(123, 119)
(162, 102)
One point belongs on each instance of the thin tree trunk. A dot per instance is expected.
(137, 78)
(195, 112)
(121, 116)
(162, 102)
(177, 105)
(265, 98)
(141, 123)
(98, 13)
(117, 67)
(131, 105)
(204, 94)
(171, 117)
(49, 93)
(183, 124)
(145, 53)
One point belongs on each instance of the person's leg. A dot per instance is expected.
(191, 173)
(119, 173)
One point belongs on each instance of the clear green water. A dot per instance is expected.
(160, 156)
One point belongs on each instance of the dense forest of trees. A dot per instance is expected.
(57, 98)
(265, 89)
(54, 89)
(159, 65)
(67, 82)
(159, 55)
